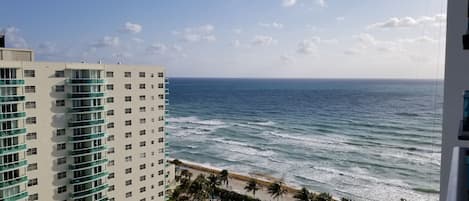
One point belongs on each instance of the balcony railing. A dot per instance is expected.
(12, 149)
(11, 82)
(12, 115)
(86, 81)
(86, 109)
(4, 184)
(89, 192)
(88, 164)
(19, 196)
(86, 123)
(89, 178)
(88, 150)
(87, 137)
(463, 130)
(86, 95)
(12, 132)
(14, 98)
(13, 165)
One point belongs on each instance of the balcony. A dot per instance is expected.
(86, 123)
(85, 95)
(12, 132)
(13, 115)
(14, 98)
(463, 130)
(88, 150)
(85, 81)
(89, 192)
(89, 178)
(4, 184)
(88, 164)
(19, 196)
(166, 91)
(5, 167)
(12, 149)
(86, 109)
(11, 82)
(87, 137)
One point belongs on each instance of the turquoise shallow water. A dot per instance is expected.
(364, 139)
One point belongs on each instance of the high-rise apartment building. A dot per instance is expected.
(455, 146)
(79, 131)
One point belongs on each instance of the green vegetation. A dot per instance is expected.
(252, 186)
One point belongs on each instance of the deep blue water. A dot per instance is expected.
(365, 139)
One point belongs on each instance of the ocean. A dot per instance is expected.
(361, 139)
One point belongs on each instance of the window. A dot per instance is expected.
(31, 136)
(111, 175)
(32, 197)
(61, 161)
(128, 98)
(161, 161)
(128, 194)
(30, 105)
(160, 194)
(62, 189)
(160, 172)
(141, 86)
(127, 74)
(110, 150)
(110, 87)
(160, 140)
(31, 120)
(128, 146)
(152, 86)
(161, 118)
(128, 110)
(32, 182)
(128, 86)
(61, 146)
(128, 182)
(161, 150)
(60, 103)
(143, 189)
(29, 73)
(142, 109)
(128, 123)
(61, 175)
(160, 107)
(142, 166)
(160, 129)
(32, 166)
(142, 97)
(110, 113)
(31, 151)
(128, 135)
(141, 74)
(30, 89)
(160, 96)
(59, 73)
(143, 120)
(111, 188)
(110, 138)
(160, 183)
(143, 155)
(160, 85)
(110, 163)
(60, 132)
(143, 132)
(160, 74)
(110, 99)
(109, 74)
(128, 170)
(128, 159)
(110, 125)
(59, 88)
(142, 144)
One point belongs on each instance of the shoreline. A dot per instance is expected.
(262, 180)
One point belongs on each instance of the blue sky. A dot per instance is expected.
(238, 38)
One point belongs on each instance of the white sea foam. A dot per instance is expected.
(266, 123)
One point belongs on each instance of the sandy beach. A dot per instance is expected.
(237, 181)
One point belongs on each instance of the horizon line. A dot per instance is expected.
(316, 78)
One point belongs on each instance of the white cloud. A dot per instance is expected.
(287, 59)
(130, 27)
(107, 41)
(260, 40)
(157, 48)
(274, 25)
(236, 43)
(352, 51)
(197, 34)
(340, 18)
(47, 49)
(421, 39)
(406, 22)
(288, 3)
(307, 47)
(237, 31)
(321, 3)
(13, 37)
(138, 40)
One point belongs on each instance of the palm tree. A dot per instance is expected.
(252, 186)
(302, 195)
(224, 177)
(213, 183)
(277, 190)
(324, 197)
(198, 189)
